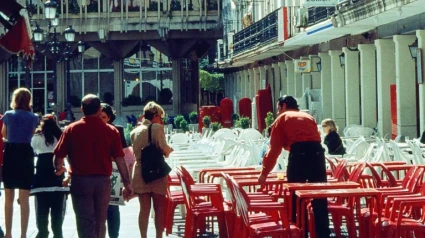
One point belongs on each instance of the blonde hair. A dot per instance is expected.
(21, 99)
(151, 109)
(331, 123)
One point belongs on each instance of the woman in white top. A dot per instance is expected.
(47, 186)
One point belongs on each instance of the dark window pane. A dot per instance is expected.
(106, 63)
(91, 83)
(90, 63)
(106, 85)
(76, 87)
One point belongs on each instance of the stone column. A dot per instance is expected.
(263, 76)
(283, 79)
(315, 76)
(306, 82)
(276, 84)
(338, 90)
(406, 86)
(61, 86)
(385, 76)
(352, 86)
(118, 86)
(256, 82)
(368, 93)
(298, 85)
(326, 85)
(290, 77)
(4, 94)
(251, 83)
(420, 34)
(245, 83)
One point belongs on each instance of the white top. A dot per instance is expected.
(38, 143)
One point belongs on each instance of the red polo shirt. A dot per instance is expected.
(290, 127)
(90, 143)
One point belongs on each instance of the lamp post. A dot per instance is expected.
(58, 50)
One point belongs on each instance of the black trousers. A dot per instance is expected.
(307, 164)
(114, 221)
(55, 204)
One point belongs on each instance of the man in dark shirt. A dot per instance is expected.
(297, 133)
(90, 145)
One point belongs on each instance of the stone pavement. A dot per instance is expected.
(129, 220)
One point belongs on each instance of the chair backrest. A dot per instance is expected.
(417, 176)
(185, 189)
(186, 174)
(357, 172)
(230, 189)
(408, 176)
(332, 165)
(341, 173)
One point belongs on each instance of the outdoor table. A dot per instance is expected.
(290, 188)
(210, 176)
(304, 195)
(270, 182)
(203, 172)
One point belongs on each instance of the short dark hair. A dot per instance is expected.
(106, 108)
(90, 104)
(290, 102)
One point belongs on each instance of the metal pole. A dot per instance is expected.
(68, 83)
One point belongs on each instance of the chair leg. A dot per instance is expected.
(337, 220)
(222, 226)
(351, 226)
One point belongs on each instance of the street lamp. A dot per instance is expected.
(58, 50)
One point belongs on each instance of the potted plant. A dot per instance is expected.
(244, 121)
(215, 126)
(235, 118)
(183, 125)
(269, 121)
(193, 118)
(177, 121)
(207, 121)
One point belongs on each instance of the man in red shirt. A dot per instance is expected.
(297, 133)
(90, 145)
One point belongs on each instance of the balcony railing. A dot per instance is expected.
(318, 14)
(259, 33)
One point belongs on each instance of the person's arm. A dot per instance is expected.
(59, 162)
(161, 142)
(270, 158)
(4, 131)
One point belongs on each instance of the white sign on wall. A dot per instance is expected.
(302, 66)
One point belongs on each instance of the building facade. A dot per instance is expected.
(360, 67)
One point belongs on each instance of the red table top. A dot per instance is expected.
(316, 186)
(337, 193)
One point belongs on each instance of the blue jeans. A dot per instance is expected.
(113, 221)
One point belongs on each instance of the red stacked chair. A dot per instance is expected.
(174, 198)
(258, 218)
(198, 211)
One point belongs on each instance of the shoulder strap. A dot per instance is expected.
(150, 133)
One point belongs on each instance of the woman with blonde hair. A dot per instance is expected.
(332, 139)
(18, 162)
(154, 191)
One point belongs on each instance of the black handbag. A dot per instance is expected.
(153, 162)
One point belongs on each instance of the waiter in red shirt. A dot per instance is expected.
(297, 133)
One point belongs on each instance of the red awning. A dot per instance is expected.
(18, 39)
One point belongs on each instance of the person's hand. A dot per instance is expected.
(262, 179)
(60, 171)
(65, 181)
(128, 192)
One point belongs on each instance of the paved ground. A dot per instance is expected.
(129, 225)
